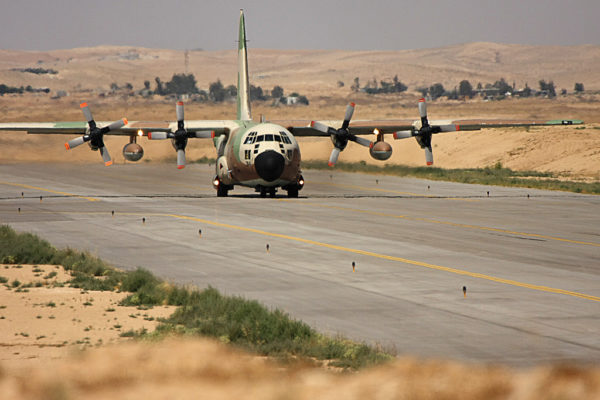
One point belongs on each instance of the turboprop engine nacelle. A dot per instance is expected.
(381, 150)
(133, 152)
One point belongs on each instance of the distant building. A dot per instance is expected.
(290, 100)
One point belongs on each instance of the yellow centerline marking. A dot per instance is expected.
(48, 190)
(362, 252)
(343, 185)
(434, 221)
(391, 258)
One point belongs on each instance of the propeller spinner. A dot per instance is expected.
(340, 136)
(424, 133)
(95, 135)
(180, 136)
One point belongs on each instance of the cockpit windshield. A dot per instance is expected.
(254, 137)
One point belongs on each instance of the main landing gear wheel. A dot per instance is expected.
(272, 192)
(293, 192)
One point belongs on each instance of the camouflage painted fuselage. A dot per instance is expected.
(238, 151)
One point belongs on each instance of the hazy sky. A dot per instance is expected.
(300, 24)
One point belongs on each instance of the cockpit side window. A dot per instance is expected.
(277, 138)
(250, 138)
(285, 138)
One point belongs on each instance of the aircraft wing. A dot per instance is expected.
(477, 124)
(64, 128)
(302, 128)
(358, 127)
(343, 131)
(131, 128)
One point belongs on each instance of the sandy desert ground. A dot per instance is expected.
(42, 321)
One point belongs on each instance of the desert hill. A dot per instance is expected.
(309, 71)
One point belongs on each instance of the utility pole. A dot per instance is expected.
(186, 56)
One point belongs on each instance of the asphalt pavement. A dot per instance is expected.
(529, 259)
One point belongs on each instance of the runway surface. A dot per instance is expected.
(531, 265)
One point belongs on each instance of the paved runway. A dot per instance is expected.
(531, 265)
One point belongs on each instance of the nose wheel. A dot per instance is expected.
(265, 190)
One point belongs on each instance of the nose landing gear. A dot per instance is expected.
(264, 190)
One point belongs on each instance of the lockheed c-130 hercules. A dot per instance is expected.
(261, 155)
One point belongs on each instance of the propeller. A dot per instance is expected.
(424, 133)
(180, 136)
(95, 135)
(340, 136)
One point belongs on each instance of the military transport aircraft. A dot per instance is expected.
(261, 155)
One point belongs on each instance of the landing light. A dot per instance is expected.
(140, 132)
(376, 131)
(216, 182)
(301, 182)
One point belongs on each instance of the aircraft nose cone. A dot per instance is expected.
(269, 165)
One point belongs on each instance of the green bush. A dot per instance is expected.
(135, 280)
(89, 282)
(23, 248)
(250, 325)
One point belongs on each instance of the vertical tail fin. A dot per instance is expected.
(243, 96)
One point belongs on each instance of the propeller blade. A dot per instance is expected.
(403, 135)
(449, 128)
(319, 126)
(105, 156)
(202, 134)
(74, 142)
(363, 141)
(335, 153)
(157, 135)
(180, 159)
(428, 155)
(423, 108)
(117, 124)
(348, 116)
(179, 110)
(86, 112)
(423, 112)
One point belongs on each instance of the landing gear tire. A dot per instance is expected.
(293, 192)
(272, 192)
(263, 192)
(222, 191)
